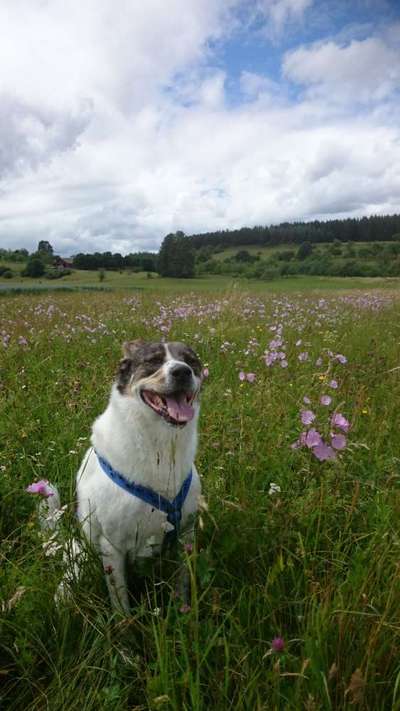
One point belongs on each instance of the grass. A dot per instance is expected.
(82, 280)
(315, 563)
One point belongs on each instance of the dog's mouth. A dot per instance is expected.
(175, 408)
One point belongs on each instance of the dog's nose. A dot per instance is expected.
(181, 373)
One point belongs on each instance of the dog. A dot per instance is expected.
(137, 486)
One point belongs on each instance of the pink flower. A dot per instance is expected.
(325, 400)
(250, 377)
(205, 373)
(306, 400)
(278, 644)
(338, 441)
(284, 363)
(242, 376)
(41, 487)
(339, 421)
(313, 438)
(341, 358)
(333, 384)
(324, 452)
(307, 417)
(303, 357)
(184, 609)
(188, 547)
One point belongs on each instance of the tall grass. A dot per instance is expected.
(316, 563)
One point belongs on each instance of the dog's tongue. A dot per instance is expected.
(179, 409)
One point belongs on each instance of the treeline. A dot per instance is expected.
(378, 228)
(140, 261)
(14, 255)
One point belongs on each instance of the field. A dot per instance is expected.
(295, 571)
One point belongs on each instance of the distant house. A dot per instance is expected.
(60, 263)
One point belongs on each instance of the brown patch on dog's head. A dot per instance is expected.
(141, 361)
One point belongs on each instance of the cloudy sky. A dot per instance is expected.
(121, 121)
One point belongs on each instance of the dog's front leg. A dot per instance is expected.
(114, 569)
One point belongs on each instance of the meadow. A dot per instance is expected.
(295, 570)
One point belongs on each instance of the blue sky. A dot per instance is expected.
(121, 122)
(256, 48)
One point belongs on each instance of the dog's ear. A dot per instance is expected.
(129, 348)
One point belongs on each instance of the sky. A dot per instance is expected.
(123, 121)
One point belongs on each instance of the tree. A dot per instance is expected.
(304, 250)
(45, 246)
(34, 268)
(176, 257)
(243, 256)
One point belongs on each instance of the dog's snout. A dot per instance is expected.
(181, 373)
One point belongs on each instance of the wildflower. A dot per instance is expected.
(364, 411)
(184, 609)
(313, 438)
(333, 384)
(242, 376)
(42, 487)
(341, 358)
(284, 363)
(339, 421)
(325, 400)
(205, 373)
(306, 400)
(278, 644)
(307, 417)
(324, 452)
(298, 343)
(188, 548)
(51, 546)
(303, 356)
(274, 489)
(250, 377)
(338, 441)
(318, 362)
(22, 341)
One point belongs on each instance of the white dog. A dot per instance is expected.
(137, 485)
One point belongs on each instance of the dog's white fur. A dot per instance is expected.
(144, 448)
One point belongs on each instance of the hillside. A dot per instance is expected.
(370, 259)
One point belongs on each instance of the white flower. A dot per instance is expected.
(51, 546)
(274, 489)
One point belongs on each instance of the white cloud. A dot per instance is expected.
(31, 135)
(278, 14)
(257, 86)
(362, 71)
(116, 127)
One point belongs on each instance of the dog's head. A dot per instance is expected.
(165, 378)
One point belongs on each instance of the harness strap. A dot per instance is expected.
(173, 509)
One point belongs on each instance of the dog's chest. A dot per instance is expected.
(130, 524)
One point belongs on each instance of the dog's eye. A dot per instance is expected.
(155, 360)
(192, 360)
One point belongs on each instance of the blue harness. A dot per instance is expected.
(173, 509)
